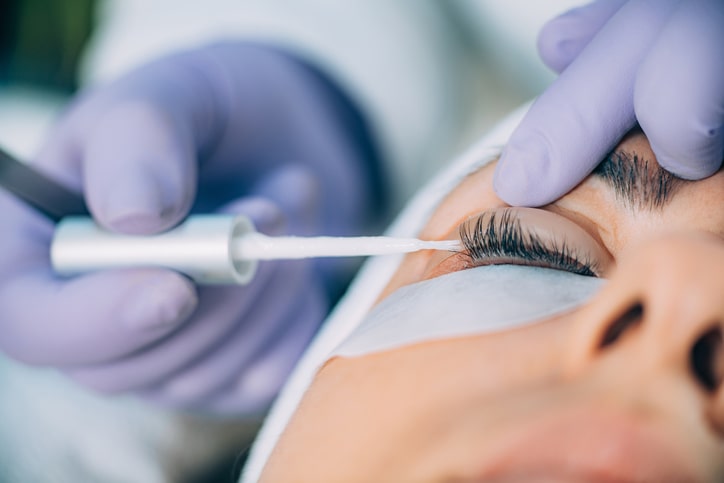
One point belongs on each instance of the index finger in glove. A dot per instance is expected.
(679, 91)
(577, 120)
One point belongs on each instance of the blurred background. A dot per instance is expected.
(41, 44)
(48, 50)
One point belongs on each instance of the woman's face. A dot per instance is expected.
(624, 389)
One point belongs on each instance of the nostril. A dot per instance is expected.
(631, 318)
(705, 359)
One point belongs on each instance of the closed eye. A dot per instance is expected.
(500, 237)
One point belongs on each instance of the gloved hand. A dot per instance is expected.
(658, 62)
(232, 127)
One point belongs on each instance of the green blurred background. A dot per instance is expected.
(41, 42)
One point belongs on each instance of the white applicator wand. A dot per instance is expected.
(211, 249)
(257, 246)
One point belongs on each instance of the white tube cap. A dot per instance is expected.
(200, 247)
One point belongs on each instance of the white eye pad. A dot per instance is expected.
(468, 302)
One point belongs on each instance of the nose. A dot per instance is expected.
(666, 301)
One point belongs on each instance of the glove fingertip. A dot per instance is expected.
(702, 168)
(138, 206)
(139, 170)
(520, 177)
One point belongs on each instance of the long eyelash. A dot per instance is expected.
(508, 239)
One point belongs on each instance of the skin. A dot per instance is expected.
(563, 400)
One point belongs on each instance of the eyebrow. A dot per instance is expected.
(638, 182)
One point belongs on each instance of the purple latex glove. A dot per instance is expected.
(232, 127)
(655, 62)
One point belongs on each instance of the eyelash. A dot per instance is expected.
(507, 238)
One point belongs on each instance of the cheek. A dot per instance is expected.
(477, 366)
(531, 356)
